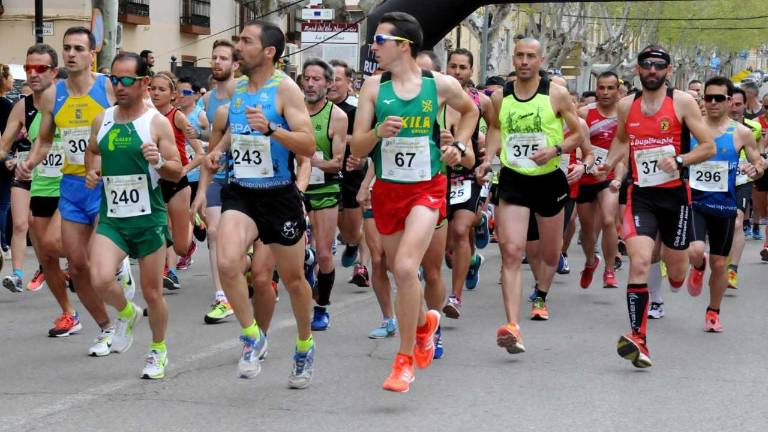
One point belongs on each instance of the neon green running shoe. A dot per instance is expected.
(219, 311)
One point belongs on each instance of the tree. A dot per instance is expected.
(497, 41)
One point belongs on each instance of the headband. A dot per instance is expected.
(656, 52)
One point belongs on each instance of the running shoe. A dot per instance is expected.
(633, 348)
(424, 349)
(712, 322)
(622, 247)
(123, 337)
(452, 309)
(663, 267)
(310, 262)
(199, 230)
(618, 263)
(401, 377)
(696, 279)
(589, 271)
(764, 253)
(509, 337)
(609, 279)
(438, 344)
(303, 366)
(473, 275)
(37, 280)
(13, 283)
(656, 311)
(219, 311)
(562, 265)
(154, 365)
(254, 351)
(127, 283)
(757, 235)
(539, 311)
(186, 261)
(534, 294)
(360, 276)
(103, 343)
(482, 234)
(349, 256)
(321, 320)
(65, 325)
(171, 281)
(387, 328)
(733, 279)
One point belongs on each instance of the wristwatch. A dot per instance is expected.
(461, 147)
(271, 128)
(679, 161)
(558, 150)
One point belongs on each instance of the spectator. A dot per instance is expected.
(6, 84)
(150, 59)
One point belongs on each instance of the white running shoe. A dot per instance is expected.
(154, 365)
(123, 337)
(103, 343)
(656, 311)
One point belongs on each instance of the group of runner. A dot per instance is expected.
(410, 173)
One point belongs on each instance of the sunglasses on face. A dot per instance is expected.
(186, 92)
(658, 64)
(380, 39)
(126, 81)
(715, 98)
(38, 69)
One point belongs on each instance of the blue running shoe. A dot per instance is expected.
(310, 262)
(321, 320)
(387, 329)
(562, 265)
(757, 235)
(533, 295)
(254, 351)
(349, 256)
(482, 234)
(473, 275)
(303, 367)
(438, 344)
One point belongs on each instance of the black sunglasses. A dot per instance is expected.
(658, 64)
(126, 81)
(715, 98)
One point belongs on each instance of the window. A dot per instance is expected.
(133, 11)
(195, 16)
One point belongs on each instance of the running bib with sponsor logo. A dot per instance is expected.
(317, 176)
(648, 171)
(710, 176)
(75, 141)
(406, 159)
(521, 146)
(51, 164)
(601, 155)
(127, 196)
(252, 156)
(460, 192)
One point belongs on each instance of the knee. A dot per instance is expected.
(229, 267)
(20, 225)
(405, 270)
(153, 295)
(325, 258)
(262, 278)
(717, 264)
(511, 255)
(377, 259)
(99, 277)
(294, 282)
(212, 234)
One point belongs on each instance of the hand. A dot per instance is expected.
(668, 164)
(750, 170)
(151, 153)
(364, 198)
(482, 170)
(212, 161)
(256, 119)
(602, 170)
(315, 161)
(23, 171)
(390, 127)
(542, 156)
(575, 171)
(92, 179)
(198, 207)
(10, 164)
(451, 155)
(354, 163)
(446, 138)
(614, 186)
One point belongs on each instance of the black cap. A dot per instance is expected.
(654, 52)
(495, 80)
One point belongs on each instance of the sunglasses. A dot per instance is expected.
(658, 64)
(38, 69)
(380, 39)
(186, 92)
(715, 98)
(126, 81)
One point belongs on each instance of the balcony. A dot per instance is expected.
(133, 12)
(195, 17)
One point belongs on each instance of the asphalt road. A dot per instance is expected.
(569, 379)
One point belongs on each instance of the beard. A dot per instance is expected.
(224, 75)
(652, 83)
(316, 98)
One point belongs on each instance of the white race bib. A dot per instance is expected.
(565, 160)
(51, 164)
(485, 190)
(406, 159)
(127, 196)
(22, 156)
(252, 156)
(75, 141)
(460, 192)
(601, 155)
(648, 171)
(710, 176)
(521, 146)
(317, 176)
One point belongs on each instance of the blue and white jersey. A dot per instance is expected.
(713, 182)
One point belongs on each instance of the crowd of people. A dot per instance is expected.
(418, 168)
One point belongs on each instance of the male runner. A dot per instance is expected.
(713, 184)
(531, 114)
(131, 147)
(696, 86)
(321, 200)
(653, 129)
(409, 193)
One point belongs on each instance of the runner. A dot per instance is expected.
(71, 105)
(268, 122)
(131, 146)
(531, 114)
(409, 194)
(714, 196)
(652, 129)
(598, 198)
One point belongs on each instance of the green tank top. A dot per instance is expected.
(527, 126)
(131, 194)
(414, 154)
(46, 177)
(319, 181)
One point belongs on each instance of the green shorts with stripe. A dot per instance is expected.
(137, 242)
(321, 200)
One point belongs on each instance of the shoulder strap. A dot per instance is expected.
(106, 122)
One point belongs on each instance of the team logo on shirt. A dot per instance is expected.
(78, 113)
(664, 124)
(426, 105)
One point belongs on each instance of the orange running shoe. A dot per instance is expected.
(508, 337)
(696, 279)
(539, 311)
(632, 347)
(609, 279)
(588, 272)
(37, 281)
(424, 351)
(712, 322)
(401, 377)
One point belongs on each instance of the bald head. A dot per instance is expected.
(528, 59)
(530, 42)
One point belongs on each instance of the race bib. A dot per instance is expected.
(485, 190)
(710, 176)
(601, 155)
(648, 171)
(460, 192)
(406, 159)
(317, 176)
(22, 156)
(565, 160)
(75, 142)
(127, 196)
(521, 146)
(252, 156)
(51, 164)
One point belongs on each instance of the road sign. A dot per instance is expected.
(317, 14)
